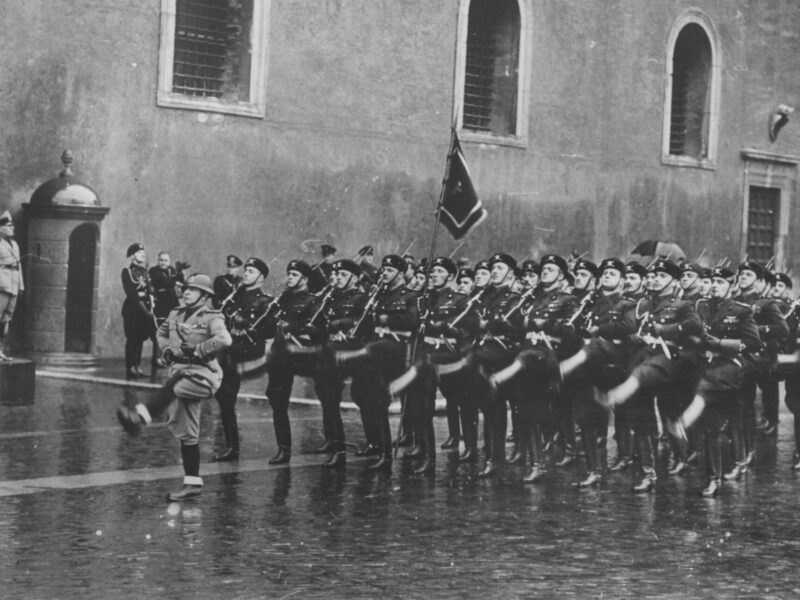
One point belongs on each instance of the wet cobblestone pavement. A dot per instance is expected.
(83, 515)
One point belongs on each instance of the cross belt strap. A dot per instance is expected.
(386, 332)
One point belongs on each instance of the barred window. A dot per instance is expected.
(213, 55)
(690, 93)
(492, 67)
(692, 98)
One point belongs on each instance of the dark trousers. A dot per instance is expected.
(226, 396)
(282, 367)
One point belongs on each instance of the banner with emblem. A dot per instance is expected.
(461, 209)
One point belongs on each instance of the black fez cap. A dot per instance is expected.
(531, 266)
(327, 249)
(635, 267)
(723, 273)
(447, 264)
(366, 251)
(784, 279)
(705, 273)
(257, 264)
(466, 273)
(346, 264)
(586, 265)
(483, 264)
(612, 263)
(667, 266)
(300, 266)
(691, 266)
(134, 248)
(394, 261)
(555, 259)
(421, 269)
(233, 261)
(754, 267)
(506, 259)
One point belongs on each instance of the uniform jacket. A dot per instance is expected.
(613, 315)
(344, 310)
(224, 285)
(495, 308)
(443, 307)
(163, 282)
(730, 320)
(772, 326)
(10, 268)
(676, 319)
(205, 330)
(136, 285)
(399, 306)
(295, 308)
(248, 330)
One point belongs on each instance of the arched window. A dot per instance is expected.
(491, 71)
(691, 110)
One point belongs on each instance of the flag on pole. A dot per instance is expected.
(461, 208)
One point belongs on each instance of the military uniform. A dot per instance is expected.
(247, 316)
(295, 307)
(137, 313)
(11, 282)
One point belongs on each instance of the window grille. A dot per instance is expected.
(689, 118)
(762, 223)
(200, 47)
(492, 65)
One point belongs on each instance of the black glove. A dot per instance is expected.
(181, 266)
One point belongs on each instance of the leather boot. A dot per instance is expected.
(427, 468)
(594, 479)
(451, 443)
(535, 475)
(230, 455)
(568, 458)
(337, 460)
(368, 450)
(415, 452)
(517, 457)
(621, 464)
(712, 489)
(383, 464)
(405, 440)
(735, 474)
(325, 448)
(489, 469)
(187, 492)
(282, 457)
(648, 482)
(130, 420)
(469, 455)
(678, 468)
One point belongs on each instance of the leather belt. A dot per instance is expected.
(440, 341)
(541, 337)
(189, 360)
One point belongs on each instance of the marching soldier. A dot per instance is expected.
(137, 309)
(773, 331)
(293, 310)
(11, 283)
(340, 316)
(547, 338)
(247, 314)
(770, 393)
(730, 333)
(465, 281)
(607, 326)
(190, 339)
(664, 357)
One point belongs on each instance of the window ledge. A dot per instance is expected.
(243, 109)
(688, 161)
(467, 135)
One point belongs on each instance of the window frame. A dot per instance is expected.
(520, 140)
(697, 17)
(255, 107)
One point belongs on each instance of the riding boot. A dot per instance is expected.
(282, 457)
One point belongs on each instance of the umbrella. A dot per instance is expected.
(651, 248)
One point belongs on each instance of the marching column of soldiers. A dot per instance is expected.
(668, 353)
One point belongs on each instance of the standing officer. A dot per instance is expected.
(225, 285)
(11, 284)
(137, 309)
(190, 339)
(729, 333)
(247, 316)
(294, 308)
(165, 280)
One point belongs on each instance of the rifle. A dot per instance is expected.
(522, 299)
(369, 307)
(588, 299)
(470, 304)
(327, 296)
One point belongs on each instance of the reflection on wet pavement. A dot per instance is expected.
(84, 516)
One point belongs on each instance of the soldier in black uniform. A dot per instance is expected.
(339, 317)
(664, 357)
(225, 285)
(294, 308)
(607, 325)
(465, 281)
(165, 280)
(730, 332)
(547, 339)
(137, 309)
(774, 331)
(247, 316)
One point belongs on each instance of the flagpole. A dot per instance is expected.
(423, 302)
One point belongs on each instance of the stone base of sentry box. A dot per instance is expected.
(17, 382)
